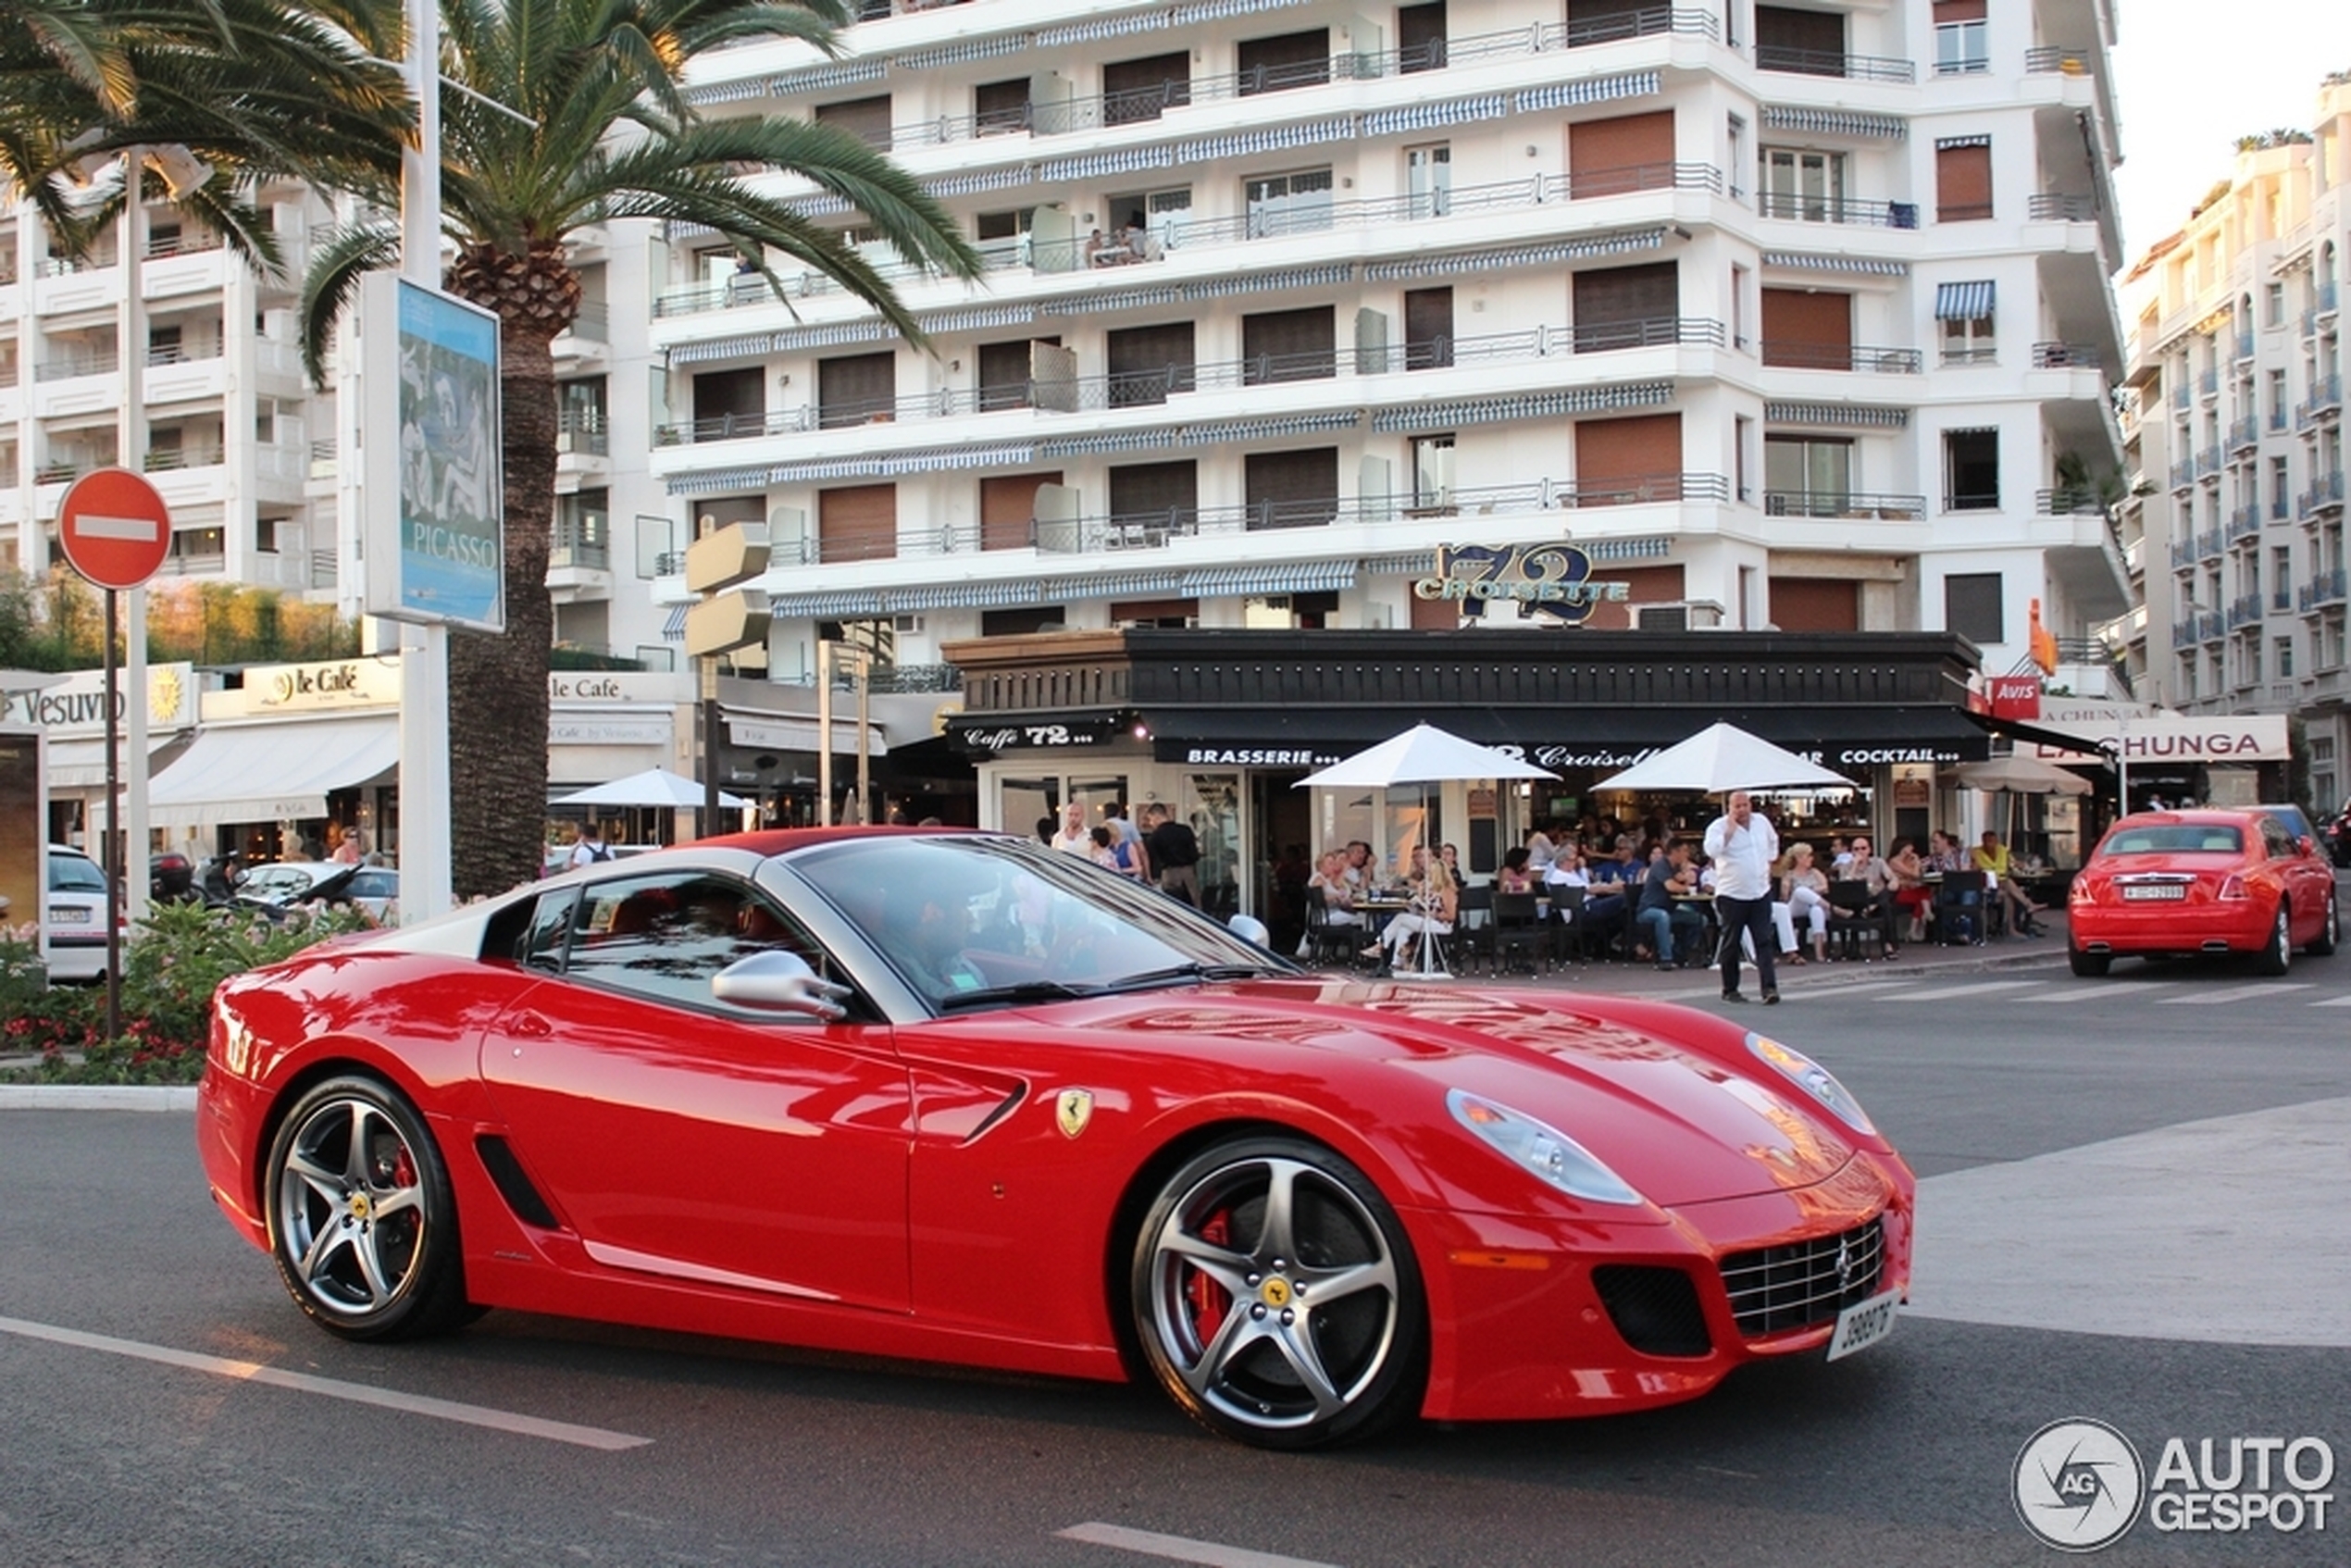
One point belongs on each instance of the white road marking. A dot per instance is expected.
(333, 1388)
(2099, 993)
(2235, 993)
(2334, 1001)
(1800, 992)
(1181, 1548)
(144, 530)
(1973, 987)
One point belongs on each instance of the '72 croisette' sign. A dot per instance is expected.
(1552, 580)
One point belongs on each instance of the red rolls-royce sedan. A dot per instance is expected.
(958, 1096)
(2170, 883)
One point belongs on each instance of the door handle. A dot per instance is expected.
(530, 1025)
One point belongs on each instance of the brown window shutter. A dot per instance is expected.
(859, 523)
(1287, 489)
(1289, 345)
(1963, 182)
(1608, 157)
(1166, 489)
(1626, 307)
(1134, 91)
(1811, 330)
(1428, 328)
(1621, 461)
(865, 119)
(1148, 363)
(1959, 11)
(1643, 585)
(1008, 509)
(858, 389)
(1812, 604)
(1293, 59)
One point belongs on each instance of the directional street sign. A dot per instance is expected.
(113, 528)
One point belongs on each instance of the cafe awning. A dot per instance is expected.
(80, 763)
(275, 772)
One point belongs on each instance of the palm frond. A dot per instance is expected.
(332, 282)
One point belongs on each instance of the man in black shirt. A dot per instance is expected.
(1175, 850)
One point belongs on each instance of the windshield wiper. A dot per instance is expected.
(1027, 990)
(1182, 972)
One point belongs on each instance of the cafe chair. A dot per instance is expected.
(1327, 944)
(1567, 923)
(1857, 929)
(1960, 909)
(1518, 932)
(1474, 924)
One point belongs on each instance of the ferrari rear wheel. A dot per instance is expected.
(2277, 954)
(1277, 1299)
(362, 1224)
(2330, 932)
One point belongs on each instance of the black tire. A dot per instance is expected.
(363, 1226)
(2277, 954)
(1225, 1273)
(2089, 966)
(2329, 934)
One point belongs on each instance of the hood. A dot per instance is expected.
(1668, 1096)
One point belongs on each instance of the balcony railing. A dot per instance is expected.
(102, 362)
(2180, 395)
(2244, 434)
(594, 324)
(188, 241)
(2244, 610)
(2183, 553)
(2183, 473)
(322, 459)
(2211, 626)
(1639, 24)
(181, 354)
(1843, 504)
(2208, 384)
(583, 540)
(582, 431)
(2326, 397)
(2244, 345)
(1836, 209)
(1842, 356)
(2062, 59)
(2324, 589)
(1819, 62)
(170, 459)
(98, 260)
(2210, 544)
(2208, 462)
(1972, 501)
(2324, 494)
(1188, 234)
(2067, 502)
(2051, 206)
(2245, 523)
(2065, 356)
(1138, 389)
(2326, 297)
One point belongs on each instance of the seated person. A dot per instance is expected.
(1871, 872)
(1663, 915)
(1991, 857)
(1808, 899)
(1330, 885)
(927, 934)
(1906, 880)
(1944, 854)
(1435, 905)
(1515, 876)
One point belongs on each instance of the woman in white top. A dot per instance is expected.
(1433, 910)
(1808, 895)
(1330, 884)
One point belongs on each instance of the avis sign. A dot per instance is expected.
(2016, 696)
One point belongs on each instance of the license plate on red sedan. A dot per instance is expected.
(2137, 890)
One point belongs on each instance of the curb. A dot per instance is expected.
(97, 1097)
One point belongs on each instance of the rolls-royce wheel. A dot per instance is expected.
(1277, 1299)
(362, 1224)
(2277, 954)
(2330, 932)
(2089, 964)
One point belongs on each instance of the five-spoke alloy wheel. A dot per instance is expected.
(361, 1222)
(1277, 1299)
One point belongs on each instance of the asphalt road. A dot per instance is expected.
(2133, 1210)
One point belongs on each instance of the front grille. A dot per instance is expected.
(1806, 1283)
(1655, 1309)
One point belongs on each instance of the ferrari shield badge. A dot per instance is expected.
(1075, 1109)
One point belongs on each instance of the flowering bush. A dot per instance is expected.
(172, 964)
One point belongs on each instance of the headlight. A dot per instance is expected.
(1814, 1079)
(1538, 1147)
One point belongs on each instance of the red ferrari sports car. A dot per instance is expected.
(2168, 883)
(956, 1097)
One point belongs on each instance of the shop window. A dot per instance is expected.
(1973, 606)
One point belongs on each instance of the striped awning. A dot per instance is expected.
(1655, 547)
(674, 628)
(1126, 299)
(1810, 261)
(1268, 429)
(930, 460)
(964, 596)
(818, 79)
(982, 180)
(820, 204)
(957, 53)
(1102, 446)
(1592, 90)
(1521, 255)
(1274, 139)
(1963, 301)
(1299, 577)
(1102, 27)
(1525, 405)
(979, 320)
(1834, 122)
(1108, 585)
(716, 481)
(1424, 117)
(833, 333)
(1054, 171)
(1261, 282)
(1415, 563)
(826, 606)
(1859, 414)
(748, 346)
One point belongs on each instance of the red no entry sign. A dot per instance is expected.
(113, 528)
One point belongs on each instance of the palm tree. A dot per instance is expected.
(609, 135)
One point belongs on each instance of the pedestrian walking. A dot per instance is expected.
(1744, 847)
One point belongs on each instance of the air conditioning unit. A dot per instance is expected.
(1661, 617)
(907, 626)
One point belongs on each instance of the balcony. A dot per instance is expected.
(2184, 632)
(2207, 385)
(1805, 208)
(2179, 394)
(2060, 59)
(2051, 206)
(2325, 495)
(584, 541)
(2210, 627)
(1843, 504)
(69, 366)
(2064, 503)
(322, 459)
(1817, 62)
(2244, 434)
(583, 431)
(2183, 473)
(2244, 610)
(188, 241)
(2244, 523)
(2065, 356)
(2245, 346)
(2326, 297)
(1636, 24)
(171, 459)
(2320, 591)
(2210, 544)
(1842, 356)
(2182, 554)
(2324, 402)
(2208, 462)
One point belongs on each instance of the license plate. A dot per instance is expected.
(2135, 892)
(1864, 1324)
(72, 915)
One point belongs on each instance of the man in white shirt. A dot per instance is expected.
(1744, 847)
(1075, 837)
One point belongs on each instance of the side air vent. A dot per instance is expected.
(506, 1174)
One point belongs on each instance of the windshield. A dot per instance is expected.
(971, 921)
(2184, 838)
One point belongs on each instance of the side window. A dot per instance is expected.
(542, 942)
(665, 936)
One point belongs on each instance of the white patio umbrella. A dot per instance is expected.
(2023, 776)
(654, 787)
(1723, 757)
(1424, 755)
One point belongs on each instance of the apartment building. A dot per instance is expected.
(2235, 445)
(1788, 316)
(224, 423)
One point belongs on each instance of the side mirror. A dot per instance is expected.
(1250, 930)
(778, 982)
(2305, 846)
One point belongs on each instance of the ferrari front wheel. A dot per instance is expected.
(1277, 1299)
(362, 1224)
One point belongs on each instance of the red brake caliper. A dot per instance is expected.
(1208, 1298)
(404, 1170)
